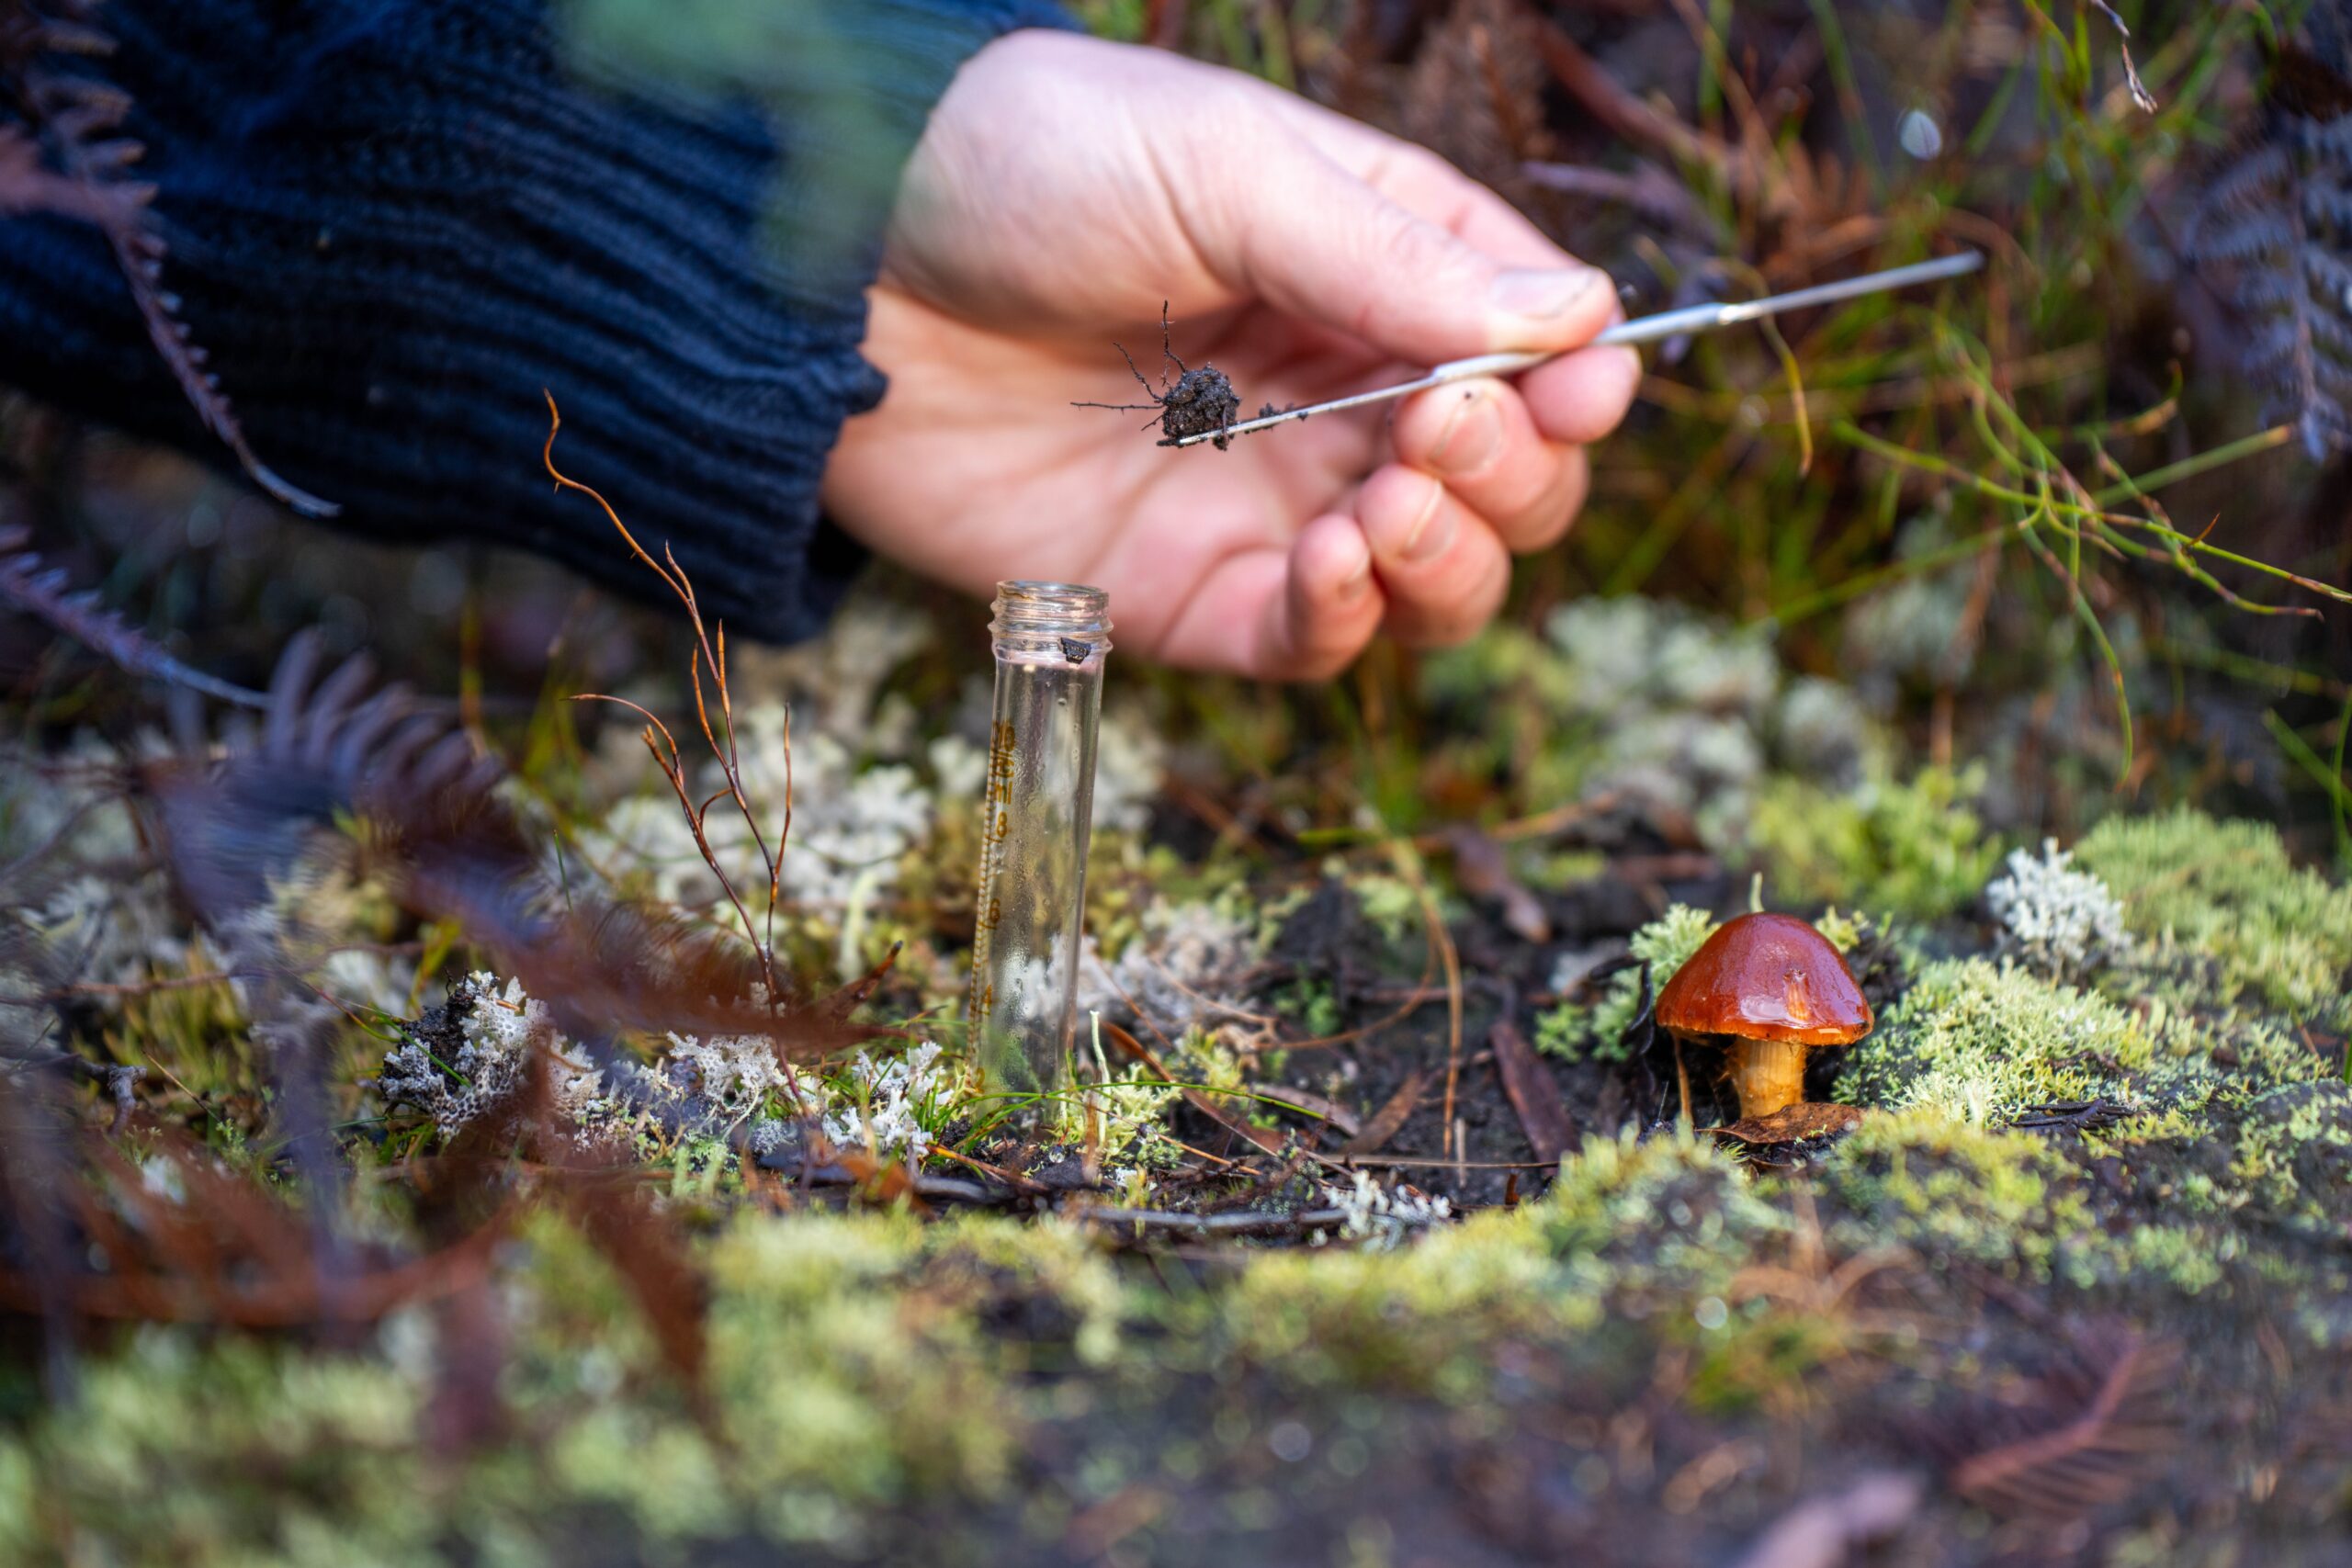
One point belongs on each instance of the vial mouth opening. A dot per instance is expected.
(1046, 614)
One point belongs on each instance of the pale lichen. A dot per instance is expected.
(1130, 766)
(891, 1106)
(853, 826)
(1182, 966)
(1672, 711)
(2060, 922)
(1382, 1216)
(488, 1036)
(734, 1077)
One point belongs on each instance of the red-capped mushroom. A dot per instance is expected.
(1768, 988)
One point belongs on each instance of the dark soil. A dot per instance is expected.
(1200, 400)
(1398, 992)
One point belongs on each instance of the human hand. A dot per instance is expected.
(1065, 188)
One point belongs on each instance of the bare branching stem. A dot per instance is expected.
(710, 653)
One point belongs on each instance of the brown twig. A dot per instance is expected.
(710, 651)
(1207, 1225)
(1441, 944)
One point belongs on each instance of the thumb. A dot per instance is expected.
(1312, 238)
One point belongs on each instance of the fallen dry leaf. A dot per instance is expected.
(1534, 1093)
(1794, 1123)
(1389, 1117)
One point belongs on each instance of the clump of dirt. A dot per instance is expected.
(1200, 400)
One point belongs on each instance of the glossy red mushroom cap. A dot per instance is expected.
(1766, 978)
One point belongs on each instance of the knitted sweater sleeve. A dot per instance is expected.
(391, 222)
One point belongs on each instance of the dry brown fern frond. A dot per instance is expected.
(334, 748)
(2087, 1433)
(2271, 230)
(45, 593)
(1474, 94)
(181, 1238)
(69, 113)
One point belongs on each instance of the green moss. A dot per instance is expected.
(2189, 1260)
(856, 1364)
(1633, 1230)
(1758, 1356)
(2225, 895)
(2292, 1157)
(868, 1366)
(239, 1453)
(661, 1473)
(837, 1386)
(1573, 1029)
(1502, 657)
(1417, 1319)
(2235, 1054)
(1979, 1042)
(1914, 848)
(1551, 870)
(1945, 1187)
(1391, 904)
(1658, 1232)
(1056, 1265)
(1312, 1003)
(1670, 1212)
(1843, 931)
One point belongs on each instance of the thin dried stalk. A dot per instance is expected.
(710, 650)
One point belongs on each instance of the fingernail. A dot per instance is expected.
(1468, 441)
(1434, 532)
(1545, 294)
(1357, 584)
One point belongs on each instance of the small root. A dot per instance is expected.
(1201, 401)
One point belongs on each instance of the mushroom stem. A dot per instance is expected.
(1768, 1075)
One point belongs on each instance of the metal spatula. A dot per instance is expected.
(1645, 328)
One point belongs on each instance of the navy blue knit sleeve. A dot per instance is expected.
(391, 222)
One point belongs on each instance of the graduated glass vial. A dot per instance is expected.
(1037, 816)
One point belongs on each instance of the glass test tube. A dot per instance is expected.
(1035, 817)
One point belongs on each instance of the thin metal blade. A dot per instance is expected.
(1643, 329)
